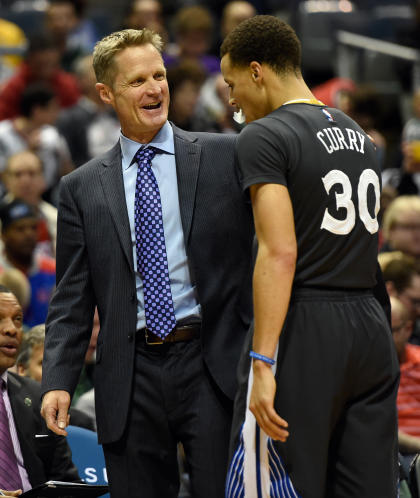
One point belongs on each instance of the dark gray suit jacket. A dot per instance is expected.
(95, 266)
(45, 458)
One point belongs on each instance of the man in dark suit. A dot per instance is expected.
(38, 454)
(158, 380)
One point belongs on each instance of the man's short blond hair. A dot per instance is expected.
(400, 205)
(106, 49)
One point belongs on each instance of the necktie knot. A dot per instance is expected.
(145, 155)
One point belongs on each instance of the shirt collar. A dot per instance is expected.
(4, 377)
(163, 140)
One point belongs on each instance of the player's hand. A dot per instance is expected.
(11, 493)
(262, 402)
(54, 409)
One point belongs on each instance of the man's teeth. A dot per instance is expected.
(152, 106)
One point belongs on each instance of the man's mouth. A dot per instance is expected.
(9, 349)
(152, 106)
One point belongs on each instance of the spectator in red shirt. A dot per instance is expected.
(41, 64)
(408, 400)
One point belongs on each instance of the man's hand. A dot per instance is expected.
(54, 409)
(262, 402)
(11, 493)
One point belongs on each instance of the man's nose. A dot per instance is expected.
(8, 327)
(232, 102)
(153, 88)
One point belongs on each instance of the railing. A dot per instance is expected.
(353, 51)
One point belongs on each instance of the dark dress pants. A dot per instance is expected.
(174, 399)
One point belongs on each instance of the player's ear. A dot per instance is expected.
(256, 71)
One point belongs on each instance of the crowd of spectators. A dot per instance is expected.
(52, 121)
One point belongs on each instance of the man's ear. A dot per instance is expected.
(105, 93)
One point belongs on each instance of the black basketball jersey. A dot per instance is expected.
(329, 166)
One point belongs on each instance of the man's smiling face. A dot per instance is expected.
(140, 94)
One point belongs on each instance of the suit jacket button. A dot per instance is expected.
(130, 337)
(133, 297)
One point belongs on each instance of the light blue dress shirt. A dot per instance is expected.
(163, 166)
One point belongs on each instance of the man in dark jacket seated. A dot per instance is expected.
(30, 454)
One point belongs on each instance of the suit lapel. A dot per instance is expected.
(113, 187)
(187, 157)
(21, 403)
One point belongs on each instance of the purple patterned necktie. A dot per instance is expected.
(152, 262)
(9, 474)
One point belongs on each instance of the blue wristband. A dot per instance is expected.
(261, 357)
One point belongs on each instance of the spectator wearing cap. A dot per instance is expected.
(19, 225)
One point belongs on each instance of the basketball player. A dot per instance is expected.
(315, 415)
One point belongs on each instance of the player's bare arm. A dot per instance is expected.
(273, 277)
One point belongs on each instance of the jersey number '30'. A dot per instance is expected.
(344, 200)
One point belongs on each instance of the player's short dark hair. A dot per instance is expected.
(265, 39)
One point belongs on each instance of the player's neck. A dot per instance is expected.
(290, 89)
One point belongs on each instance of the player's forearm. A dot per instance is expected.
(273, 277)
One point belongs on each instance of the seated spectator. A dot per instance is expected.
(146, 14)
(214, 112)
(408, 400)
(234, 13)
(90, 127)
(365, 107)
(41, 64)
(23, 179)
(407, 180)
(401, 226)
(402, 280)
(29, 364)
(335, 92)
(32, 459)
(193, 31)
(33, 129)
(19, 228)
(74, 36)
(184, 81)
